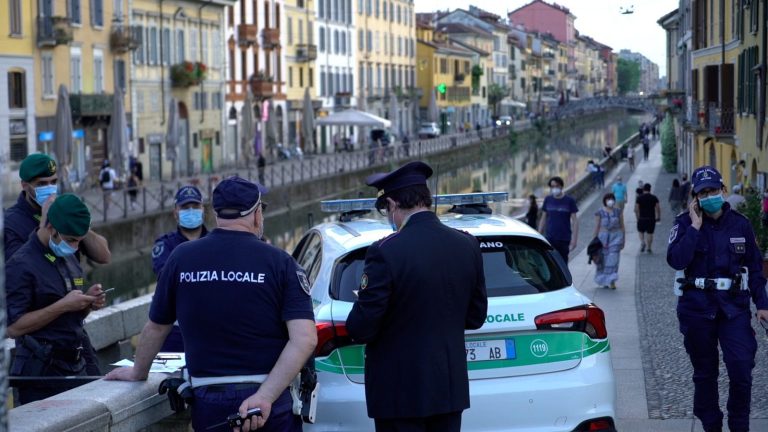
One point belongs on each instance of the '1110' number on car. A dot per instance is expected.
(489, 350)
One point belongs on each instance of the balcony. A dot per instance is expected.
(342, 99)
(90, 105)
(306, 52)
(720, 120)
(52, 31)
(262, 87)
(270, 38)
(247, 35)
(121, 40)
(458, 78)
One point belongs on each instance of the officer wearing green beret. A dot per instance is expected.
(47, 299)
(39, 184)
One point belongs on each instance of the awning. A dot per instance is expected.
(353, 117)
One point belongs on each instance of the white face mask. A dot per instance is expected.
(556, 191)
(610, 203)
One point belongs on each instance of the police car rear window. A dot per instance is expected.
(512, 265)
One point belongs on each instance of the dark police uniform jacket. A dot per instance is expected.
(20, 220)
(165, 244)
(35, 279)
(421, 288)
(717, 250)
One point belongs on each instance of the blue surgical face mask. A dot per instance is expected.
(43, 192)
(712, 204)
(191, 218)
(62, 249)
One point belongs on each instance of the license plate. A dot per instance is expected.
(485, 350)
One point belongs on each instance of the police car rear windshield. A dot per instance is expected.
(513, 266)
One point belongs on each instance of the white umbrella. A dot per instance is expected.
(307, 121)
(393, 111)
(432, 113)
(62, 136)
(352, 117)
(118, 133)
(248, 128)
(172, 136)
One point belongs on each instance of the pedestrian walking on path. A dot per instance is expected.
(675, 197)
(620, 193)
(609, 228)
(646, 148)
(720, 268)
(559, 222)
(631, 157)
(532, 216)
(648, 212)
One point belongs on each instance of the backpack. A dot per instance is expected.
(104, 177)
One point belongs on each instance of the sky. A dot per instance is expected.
(601, 20)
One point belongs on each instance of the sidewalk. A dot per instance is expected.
(639, 408)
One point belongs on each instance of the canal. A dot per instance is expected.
(520, 169)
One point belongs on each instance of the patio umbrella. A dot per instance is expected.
(393, 112)
(271, 128)
(352, 117)
(62, 136)
(433, 114)
(172, 136)
(118, 133)
(248, 129)
(307, 121)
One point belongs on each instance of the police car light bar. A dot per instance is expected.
(347, 205)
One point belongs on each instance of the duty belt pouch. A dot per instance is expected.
(171, 387)
(304, 392)
(40, 359)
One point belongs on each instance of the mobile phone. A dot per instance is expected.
(107, 290)
(168, 357)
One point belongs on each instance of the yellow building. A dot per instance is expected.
(300, 54)
(17, 108)
(447, 69)
(180, 59)
(386, 53)
(83, 45)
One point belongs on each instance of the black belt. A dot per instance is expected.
(229, 387)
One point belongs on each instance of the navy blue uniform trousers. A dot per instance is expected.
(213, 404)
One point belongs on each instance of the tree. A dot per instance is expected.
(668, 146)
(628, 75)
(495, 94)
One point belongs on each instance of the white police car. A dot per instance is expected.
(540, 362)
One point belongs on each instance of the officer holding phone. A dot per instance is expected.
(715, 247)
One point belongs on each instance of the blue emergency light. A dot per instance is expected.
(359, 204)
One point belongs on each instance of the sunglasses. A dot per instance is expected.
(264, 206)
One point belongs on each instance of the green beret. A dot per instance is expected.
(69, 215)
(37, 165)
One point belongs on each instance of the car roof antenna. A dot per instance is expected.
(437, 179)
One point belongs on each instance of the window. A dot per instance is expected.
(335, 41)
(119, 66)
(301, 31)
(290, 76)
(289, 30)
(321, 8)
(73, 10)
(98, 71)
(322, 83)
(138, 35)
(217, 48)
(369, 44)
(217, 101)
(343, 42)
(17, 97)
(97, 13)
(309, 256)
(204, 46)
(14, 15)
(46, 64)
(75, 71)
(117, 9)
(179, 46)
(360, 40)
(301, 77)
(310, 78)
(166, 46)
(321, 45)
(152, 57)
(384, 10)
(192, 45)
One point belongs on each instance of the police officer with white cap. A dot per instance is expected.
(245, 312)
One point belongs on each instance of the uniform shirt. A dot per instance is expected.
(647, 203)
(619, 191)
(559, 211)
(717, 250)
(165, 244)
(35, 279)
(20, 220)
(232, 295)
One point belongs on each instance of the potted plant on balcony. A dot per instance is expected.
(187, 74)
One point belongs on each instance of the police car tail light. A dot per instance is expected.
(329, 337)
(590, 319)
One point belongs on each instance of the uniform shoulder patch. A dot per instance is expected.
(303, 281)
(364, 281)
(673, 233)
(158, 248)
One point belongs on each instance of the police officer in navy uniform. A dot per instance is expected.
(715, 247)
(39, 183)
(421, 288)
(244, 309)
(189, 214)
(47, 300)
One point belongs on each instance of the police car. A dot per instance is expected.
(541, 361)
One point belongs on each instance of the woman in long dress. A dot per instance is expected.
(609, 228)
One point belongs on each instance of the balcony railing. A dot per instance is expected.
(720, 120)
(121, 40)
(247, 35)
(262, 88)
(52, 31)
(306, 52)
(90, 105)
(343, 99)
(270, 38)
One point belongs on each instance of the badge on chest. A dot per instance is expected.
(739, 244)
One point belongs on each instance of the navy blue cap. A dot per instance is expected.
(188, 194)
(236, 197)
(410, 174)
(706, 177)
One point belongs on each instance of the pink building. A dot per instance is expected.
(543, 17)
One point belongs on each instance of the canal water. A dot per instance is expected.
(521, 170)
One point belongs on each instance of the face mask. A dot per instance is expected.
(63, 249)
(556, 191)
(610, 203)
(712, 204)
(190, 218)
(43, 192)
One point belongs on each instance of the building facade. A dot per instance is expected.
(300, 57)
